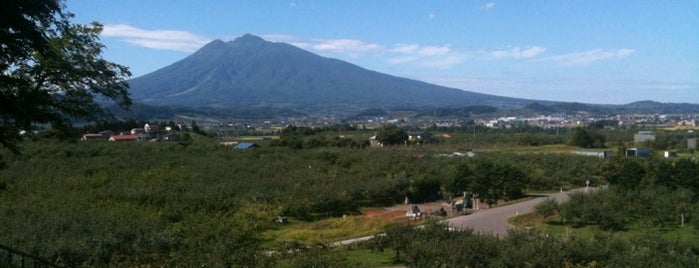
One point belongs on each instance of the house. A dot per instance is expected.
(642, 136)
(670, 154)
(92, 136)
(127, 138)
(640, 152)
(151, 127)
(245, 146)
(135, 131)
(102, 135)
(373, 142)
(171, 137)
(419, 136)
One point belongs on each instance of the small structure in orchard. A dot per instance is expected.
(413, 212)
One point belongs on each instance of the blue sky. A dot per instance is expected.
(610, 52)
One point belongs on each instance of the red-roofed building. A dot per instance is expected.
(127, 138)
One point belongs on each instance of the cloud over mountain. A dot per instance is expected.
(156, 39)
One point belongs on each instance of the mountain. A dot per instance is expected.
(251, 72)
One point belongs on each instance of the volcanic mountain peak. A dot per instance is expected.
(249, 39)
(252, 72)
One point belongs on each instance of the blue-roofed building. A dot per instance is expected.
(246, 145)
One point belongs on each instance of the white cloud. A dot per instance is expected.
(431, 56)
(420, 51)
(589, 56)
(431, 15)
(489, 5)
(434, 50)
(518, 53)
(345, 45)
(156, 39)
(405, 48)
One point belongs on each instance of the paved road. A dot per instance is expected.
(487, 221)
(494, 220)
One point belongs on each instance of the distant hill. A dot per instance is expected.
(657, 107)
(252, 72)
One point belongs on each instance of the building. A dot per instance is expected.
(639, 151)
(102, 135)
(419, 137)
(692, 144)
(92, 136)
(127, 138)
(643, 136)
(373, 142)
(136, 131)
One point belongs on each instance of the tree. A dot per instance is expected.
(547, 208)
(586, 138)
(495, 181)
(391, 135)
(623, 172)
(197, 129)
(458, 183)
(52, 71)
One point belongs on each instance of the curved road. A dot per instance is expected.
(494, 220)
(491, 221)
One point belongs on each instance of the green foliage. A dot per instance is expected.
(626, 173)
(319, 255)
(547, 208)
(586, 138)
(497, 181)
(196, 129)
(424, 190)
(436, 246)
(602, 208)
(391, 135)
(311, 138)
(458, 183)
(51, 71)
